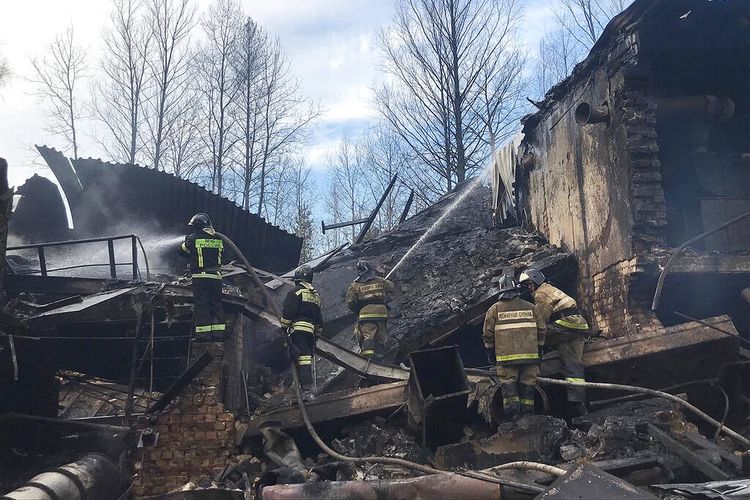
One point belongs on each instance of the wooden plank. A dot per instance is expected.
(623, 349)
(333, 406)
(688, 456)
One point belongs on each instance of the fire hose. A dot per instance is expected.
(653, 392)
(480, 475)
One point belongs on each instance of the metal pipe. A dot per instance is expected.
(71, 242)
(652, 392)
(447, 486)
(374, 213)
(336, 225)
(716, 107)
(678, 250)
(586, 114)
(91, 476)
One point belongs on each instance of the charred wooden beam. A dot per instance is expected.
(687, 455)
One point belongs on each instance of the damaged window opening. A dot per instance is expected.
(559, 312)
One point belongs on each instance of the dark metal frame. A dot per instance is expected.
(40, 247)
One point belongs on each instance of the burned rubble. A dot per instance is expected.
(106, 390)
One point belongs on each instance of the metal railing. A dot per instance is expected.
(112, 263)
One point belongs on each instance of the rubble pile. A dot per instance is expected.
(451, 274)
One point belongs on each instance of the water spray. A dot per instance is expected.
(460, 198)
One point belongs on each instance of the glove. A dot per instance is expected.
(491, 359)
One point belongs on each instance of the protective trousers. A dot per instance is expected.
(517, 384)
(301, 348)
(570, 349)
(371, 336)
(208, 313)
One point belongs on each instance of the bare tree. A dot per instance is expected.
(118, 98)
(4, 70)
(56, 77)
(303, 225)
(248, 65)
(184, 148)
(451, 61)
(222, 27)
(171, 23)
(346, 182)
(284, 112)
(586, 19)
(558, 54)
(384, 159)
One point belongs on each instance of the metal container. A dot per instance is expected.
(438, 393)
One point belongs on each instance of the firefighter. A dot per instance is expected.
(204, 249)
(302, 319)
(567, 330)
(367, 296)
(512, 334)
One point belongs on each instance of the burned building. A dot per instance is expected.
(642, 148)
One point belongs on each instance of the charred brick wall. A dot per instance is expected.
(196, 433)
(595, 190)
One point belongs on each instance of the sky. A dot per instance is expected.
(330, 43)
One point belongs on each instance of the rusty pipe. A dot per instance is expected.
(586, 114)
(718, 108)
(448, 486)
(91, 476)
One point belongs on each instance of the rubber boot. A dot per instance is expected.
(527, 393)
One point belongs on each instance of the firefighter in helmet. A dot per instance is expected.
(204, 249)
(512, 335)
(302, 319)
(367, 296)
(567, 330)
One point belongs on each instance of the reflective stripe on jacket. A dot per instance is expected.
(204, 249)
(301, 309)
(555, 306)
(513, 329)
(368, 299)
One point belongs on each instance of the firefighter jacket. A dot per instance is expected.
(204, 250)
(554, 306)
(513, 328)
(368, 299)
(301, 309)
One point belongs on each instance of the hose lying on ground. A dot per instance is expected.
(547, 469)
(482, 476)
(631, 388)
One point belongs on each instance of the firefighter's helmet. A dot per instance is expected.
(533, 275)
(200, 221)
(303, 273)
(508, 287)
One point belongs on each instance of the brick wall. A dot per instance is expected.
(196, 433)
(622, 298)
(647, 196)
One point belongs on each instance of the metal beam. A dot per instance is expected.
(356, 363)
(374, 213)
(332, 406)
(688, 456)
(182, 382)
